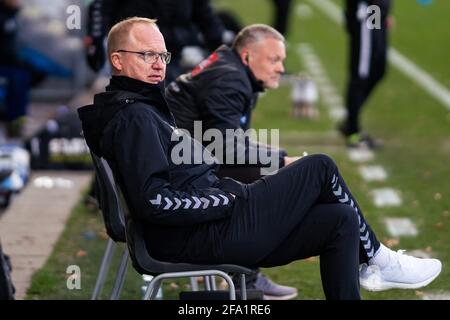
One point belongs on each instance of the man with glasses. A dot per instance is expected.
(190, 215)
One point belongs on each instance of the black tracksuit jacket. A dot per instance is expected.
(222, 93)
(131, 126)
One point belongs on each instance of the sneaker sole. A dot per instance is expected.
(386, 285)
(286, 297)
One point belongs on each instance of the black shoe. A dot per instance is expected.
(363, 140)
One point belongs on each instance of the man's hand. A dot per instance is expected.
(390, 22)
(289, 160)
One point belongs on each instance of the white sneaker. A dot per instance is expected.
(403, 272)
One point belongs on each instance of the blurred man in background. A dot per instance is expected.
(182, 22)
(18, 75)
(281, 15)
(367, 63)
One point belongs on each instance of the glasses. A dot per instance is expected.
(151, 57)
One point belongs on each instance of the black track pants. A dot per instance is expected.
(367, 66)
(304, 210)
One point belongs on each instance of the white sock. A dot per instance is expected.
(381, 257)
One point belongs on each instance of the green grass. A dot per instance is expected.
(82, 244)
(415, 128)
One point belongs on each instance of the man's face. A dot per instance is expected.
(143, 37)
(265, 60)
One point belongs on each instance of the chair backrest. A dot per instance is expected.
(109, 202)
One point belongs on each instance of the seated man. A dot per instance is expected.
(253, 64)
(304, 210)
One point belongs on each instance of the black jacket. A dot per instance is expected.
(131, 127)
(221, 92)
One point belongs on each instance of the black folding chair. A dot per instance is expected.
(144, 263)
(113, 218)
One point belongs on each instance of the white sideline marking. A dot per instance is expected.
(360, 155)
(373, 173)
(327, 91)
(436, 296)
(420, 77)
(386, 197)
(401, 62)
(303, 10)
(400, 227)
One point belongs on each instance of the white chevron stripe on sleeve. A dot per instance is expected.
(216, 200)
(169, 203)
(197, 202)
(188, 203)
(225, 199)
(178, 203)
(205, 201)
(157, 201)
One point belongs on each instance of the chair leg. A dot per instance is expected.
(194, 283)
(207, 283)
(154, 285)
(243, 288)
(104, 267)
(213, 283)
(152, 289)
(120, 277)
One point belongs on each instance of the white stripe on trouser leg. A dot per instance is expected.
(363, 228)
(365, 46)
(344, 198)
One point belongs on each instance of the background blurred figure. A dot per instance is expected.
(18, 76)
(15, 81)
(281, 15)
(368, 51)
(180, 21)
